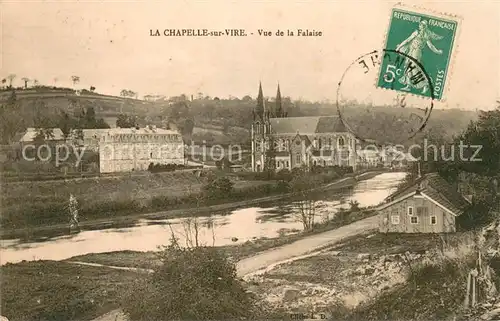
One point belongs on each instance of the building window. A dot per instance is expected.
(341, 141)
(287, 164)
(395, 219)
(433, 220)
(414, 220)
(410, 210)
(297, 158)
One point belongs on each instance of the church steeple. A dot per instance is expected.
(279, 107)
(259, 109)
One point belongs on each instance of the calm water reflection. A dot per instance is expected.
(243, 224)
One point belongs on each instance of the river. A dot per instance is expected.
(225, 228)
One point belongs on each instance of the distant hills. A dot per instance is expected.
(226, 121)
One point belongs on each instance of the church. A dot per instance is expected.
(282, 142)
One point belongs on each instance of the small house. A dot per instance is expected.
(428, 205)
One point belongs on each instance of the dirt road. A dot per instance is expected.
(278, 255)
(302, 247)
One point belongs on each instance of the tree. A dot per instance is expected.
(484, 132)
(125, 121)
(87, 119)
(90, 117)
(304, 197)
(75, 80)
(66, 124)
(197, 283)
(36, 82)
(11, 119)
(92, 88)
(11, 78)
(217, 187)
(181, 115)
(26, 80)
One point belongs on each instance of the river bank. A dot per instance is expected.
(85, 292)
(53, 230)
(237, 252)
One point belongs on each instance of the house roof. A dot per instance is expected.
(30, 134)
(307, 125)
(436, 188)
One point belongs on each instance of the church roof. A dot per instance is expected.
(307, 125)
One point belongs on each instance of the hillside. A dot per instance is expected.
(223, 121)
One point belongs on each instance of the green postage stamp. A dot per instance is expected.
(418, 52)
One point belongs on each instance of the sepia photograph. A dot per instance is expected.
(249, 160)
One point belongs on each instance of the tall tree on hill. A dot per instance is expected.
(11, 78)
(75, 80)
(26, 80)
(3, 82)
(36, 82)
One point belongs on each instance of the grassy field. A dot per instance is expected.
(50, 290)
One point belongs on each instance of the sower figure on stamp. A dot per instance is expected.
(73, 214)
(413, 47)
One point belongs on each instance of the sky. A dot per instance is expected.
(107, 44)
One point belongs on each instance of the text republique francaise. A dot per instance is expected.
(234, 33)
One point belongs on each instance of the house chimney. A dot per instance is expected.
(419, 174)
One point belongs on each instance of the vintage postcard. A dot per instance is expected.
(249, 160)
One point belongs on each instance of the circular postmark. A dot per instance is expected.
(381, 113)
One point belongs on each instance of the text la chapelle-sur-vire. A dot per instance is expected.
(233, 33)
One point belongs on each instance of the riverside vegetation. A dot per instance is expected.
(33, 204)
(85, 292)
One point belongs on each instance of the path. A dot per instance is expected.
(264, 260)
(307, 245)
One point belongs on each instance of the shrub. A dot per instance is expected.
(192, 284)
(156, 168)
(282, 187)
(218, 187)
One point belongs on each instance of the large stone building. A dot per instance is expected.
(280, 142)
(132, 149)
